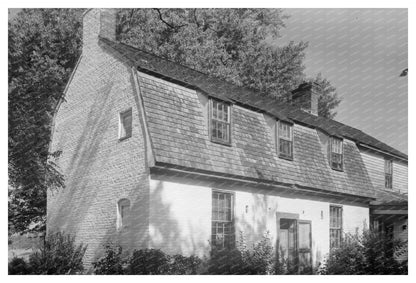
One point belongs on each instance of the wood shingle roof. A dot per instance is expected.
(178, 131)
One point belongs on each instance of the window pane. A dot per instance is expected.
(304, 232)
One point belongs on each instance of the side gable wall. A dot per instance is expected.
(99, 169)
(374, 163)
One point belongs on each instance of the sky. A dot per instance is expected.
(362, 52)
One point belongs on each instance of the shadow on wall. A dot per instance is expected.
(70, 214)
(253, 221)
(173, 232)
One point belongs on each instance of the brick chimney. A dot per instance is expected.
(98, 22)
(306, 97)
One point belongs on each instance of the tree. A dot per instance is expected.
(328, 100)
(44, 44)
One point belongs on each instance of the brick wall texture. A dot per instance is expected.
(99, 169)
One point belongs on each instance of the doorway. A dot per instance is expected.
(294, 243)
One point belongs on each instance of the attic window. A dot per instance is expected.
(388, 173)
(125, 124)
(220, 125)
(285, 140)
(336, 154)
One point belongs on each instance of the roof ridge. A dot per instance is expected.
(155, 55)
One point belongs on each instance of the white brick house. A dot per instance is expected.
(157, 155)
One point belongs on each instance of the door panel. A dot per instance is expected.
(305, 246)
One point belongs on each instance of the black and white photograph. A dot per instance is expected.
(207, 140)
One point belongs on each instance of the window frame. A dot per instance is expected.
(388, 174)
(124, 202)
(122, 115)
(331, 228)
(211, 119)
(279, 153)
(332, 153)
(231, 222)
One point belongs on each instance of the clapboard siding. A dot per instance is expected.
(375, 168)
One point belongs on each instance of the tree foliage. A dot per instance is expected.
(44, 44)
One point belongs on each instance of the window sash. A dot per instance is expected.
(388, 167)
(222, 235)
(388, 181)
(336, 154)
(335, 226)
(285, 131)
(220, 121)
(285, 148)
(285, 139)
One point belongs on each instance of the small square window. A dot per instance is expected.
(388, 173)
(285, 140)
(220, 122)
(336, 154)
(125, 128)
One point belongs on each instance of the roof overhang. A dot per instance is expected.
(167, 169)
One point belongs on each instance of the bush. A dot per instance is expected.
(366, 253)
(227, 261)
(18, 266)
(181, 265)
(111, 263)
(148, 261)
(58, 255)
(261, 258)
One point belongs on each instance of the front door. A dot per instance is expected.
(295, 243)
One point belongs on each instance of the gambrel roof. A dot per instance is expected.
(178, 131)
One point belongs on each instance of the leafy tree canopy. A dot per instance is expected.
(44, 45)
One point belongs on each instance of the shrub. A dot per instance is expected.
(18, 266)
(148, 261)
(57, 255)
(367, 253)
(261, 258)
(227, 261)
(181, 265)
(111, 263)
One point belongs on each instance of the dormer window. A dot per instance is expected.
(388, 173)
(220, 125)
(336, 154)
(285, 140)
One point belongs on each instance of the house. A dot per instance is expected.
(158, 155)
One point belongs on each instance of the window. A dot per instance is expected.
(336, 158)
(335, 226)
(125, 127)
(220, 122)
(222, 220)
(285, 140)
(123, 208)
(388, 173)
